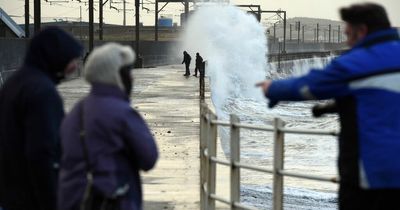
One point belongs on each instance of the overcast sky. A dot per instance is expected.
(327, 9)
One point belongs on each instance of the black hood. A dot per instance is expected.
(51, 50)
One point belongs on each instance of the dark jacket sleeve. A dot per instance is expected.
(44, 113)
(184, 59)
(140, 140)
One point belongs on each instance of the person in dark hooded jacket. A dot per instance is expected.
(199, 63)
(118, 141)
(186, 60)
(31, 111)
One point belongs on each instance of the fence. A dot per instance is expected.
(208, 160)
(208, 143)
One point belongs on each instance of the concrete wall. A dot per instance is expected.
(12, 52)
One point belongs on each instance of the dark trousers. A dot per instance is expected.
(197, 68)
(355, 198)
(187, 68)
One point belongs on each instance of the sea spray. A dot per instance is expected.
(234, 44)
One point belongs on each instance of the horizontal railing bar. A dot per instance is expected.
(269, 128)
(254, 168)
(226, 201)
(239, 205)
(221, 123)
(238, 164)
(309, 132)
(311, 177)
(265, 170)
(221, 199)
(222, 162)
(254, 127)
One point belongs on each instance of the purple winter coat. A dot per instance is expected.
(119, 143)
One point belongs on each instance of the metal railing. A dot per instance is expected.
(208, 159)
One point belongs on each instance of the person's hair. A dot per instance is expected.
(374, 16)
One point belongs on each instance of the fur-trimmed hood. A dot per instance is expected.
(104, 63)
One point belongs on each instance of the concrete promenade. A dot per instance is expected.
(169, 102)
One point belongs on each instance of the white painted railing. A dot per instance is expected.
(208, 160)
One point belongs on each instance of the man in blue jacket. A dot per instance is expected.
(365, 83)
(31, 111)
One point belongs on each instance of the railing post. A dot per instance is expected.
(203, 159)
(201, 82)
(235, 157)
(212, 152)
(277, 192)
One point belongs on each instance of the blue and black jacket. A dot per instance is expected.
(365, 82)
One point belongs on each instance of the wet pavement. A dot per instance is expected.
(169, 102)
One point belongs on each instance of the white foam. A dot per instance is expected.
(234, 45)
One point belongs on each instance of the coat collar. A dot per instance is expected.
(378, 37)
(100, 89)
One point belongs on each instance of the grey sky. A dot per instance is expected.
(327, 9)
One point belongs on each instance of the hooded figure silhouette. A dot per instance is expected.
(31, 111)
(117, 139)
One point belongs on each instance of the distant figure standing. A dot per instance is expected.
(199, 63)
(186, 60)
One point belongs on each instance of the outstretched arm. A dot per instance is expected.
(328, 83)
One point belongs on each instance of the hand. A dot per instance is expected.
(264, 86)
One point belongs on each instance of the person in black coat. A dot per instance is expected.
(199, 63)
(186, 61)
(31, 111)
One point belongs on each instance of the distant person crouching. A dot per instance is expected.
(116, 144)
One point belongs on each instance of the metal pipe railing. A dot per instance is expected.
(270, 128)
(311, 177)
(208, 159)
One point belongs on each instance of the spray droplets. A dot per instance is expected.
(234, 45)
